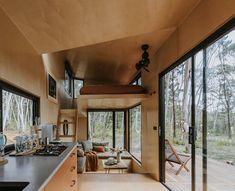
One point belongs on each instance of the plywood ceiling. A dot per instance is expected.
(114, 61)
(101, 37)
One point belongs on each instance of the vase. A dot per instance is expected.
(118, 157)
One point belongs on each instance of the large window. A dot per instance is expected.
(77, 85)
(18, 111)
(119, 128)
(107, 126)
(100, 127)
(135, 132)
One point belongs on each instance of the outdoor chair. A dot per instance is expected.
(172, 156)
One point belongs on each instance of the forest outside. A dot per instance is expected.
(17, 115)
(135, 132)
(220, 101)
(100, 127)
(77, 85)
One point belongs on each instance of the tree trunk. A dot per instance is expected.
(226, 94)
(185, 104)
(15, 112)
(173, 106)
(167, 79)
(216, 117)
(229, 124)
(6, 112)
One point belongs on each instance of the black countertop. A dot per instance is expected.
(37, 170)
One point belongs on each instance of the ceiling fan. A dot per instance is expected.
(144, 62)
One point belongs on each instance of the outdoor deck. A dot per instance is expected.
(221, 176)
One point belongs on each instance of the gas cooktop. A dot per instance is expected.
(51, 150)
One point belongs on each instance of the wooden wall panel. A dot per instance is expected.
(82, 128)
(21, 66)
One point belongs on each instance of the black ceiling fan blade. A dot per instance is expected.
(144, 62)
(146, 69)
(138, 66)
(147, 61)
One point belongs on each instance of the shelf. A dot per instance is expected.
(62, 122)
(68, 112)
(108, 101)
(66, 136)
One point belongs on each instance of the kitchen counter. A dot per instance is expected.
(37, 170)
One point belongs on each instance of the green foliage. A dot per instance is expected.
(100, 127)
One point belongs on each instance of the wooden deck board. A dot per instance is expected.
(221, 176)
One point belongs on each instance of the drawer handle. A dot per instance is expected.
(72, 168)
(73, 154)
(73, 183)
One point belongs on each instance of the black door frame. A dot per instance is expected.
(226, 28)
(162, 122)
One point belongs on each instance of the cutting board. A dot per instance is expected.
(24, 153)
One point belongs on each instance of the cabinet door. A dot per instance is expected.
(65, 178)
(71, 173)
(58, 181)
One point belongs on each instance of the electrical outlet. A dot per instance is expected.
(155, 128)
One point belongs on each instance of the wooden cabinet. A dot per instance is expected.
(65, 178)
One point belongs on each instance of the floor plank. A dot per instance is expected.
(118, 182)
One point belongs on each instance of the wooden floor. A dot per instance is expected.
(221, 176)
(118, 182)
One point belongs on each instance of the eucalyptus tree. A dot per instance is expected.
(221, 83)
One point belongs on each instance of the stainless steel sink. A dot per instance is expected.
(13, 186)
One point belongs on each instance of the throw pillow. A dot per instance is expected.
(105, 144)
(87, 145)
(98, 148)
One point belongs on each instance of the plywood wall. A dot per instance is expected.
(82, 128)
(23, 68)
(208, 16)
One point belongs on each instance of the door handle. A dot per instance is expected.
(190, 135)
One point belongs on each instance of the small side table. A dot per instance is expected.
(121, 166)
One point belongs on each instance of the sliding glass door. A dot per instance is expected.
(220, 137)
(197, 117)
(178, 99)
